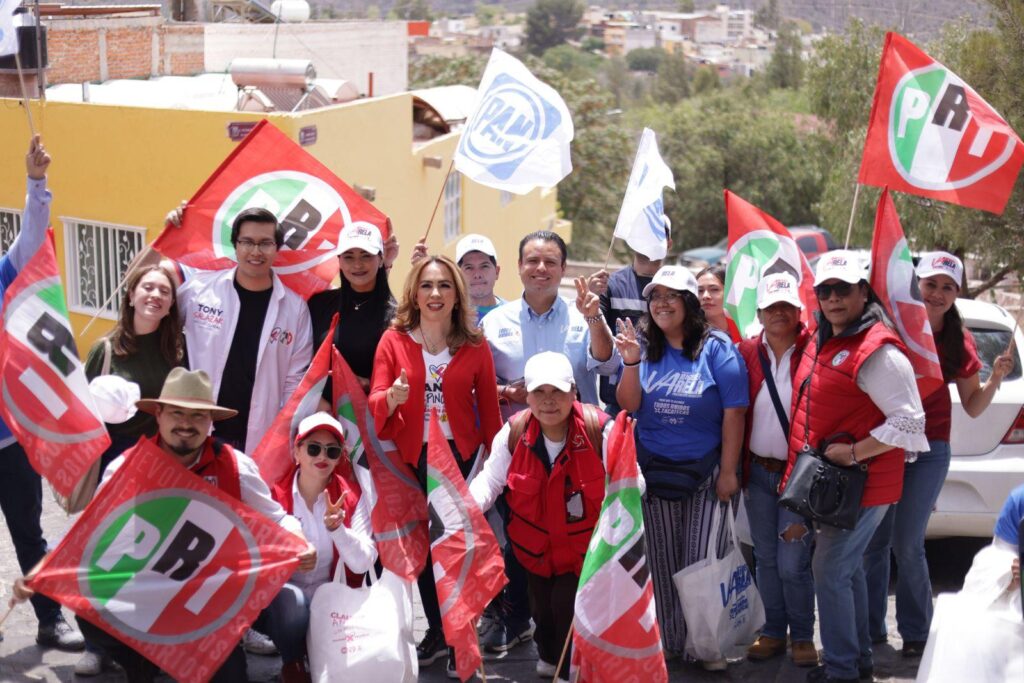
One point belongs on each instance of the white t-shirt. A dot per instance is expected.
(435, 365)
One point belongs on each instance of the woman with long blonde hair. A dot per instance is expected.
(434, 357)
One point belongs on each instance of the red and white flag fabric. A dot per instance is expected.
(269, 170)
(169, 565)
(930, 134)
(759, 245)
(273, 455)
(895, 282)
(616, 629)
(398, 506)
(468, 567)
(45, 394)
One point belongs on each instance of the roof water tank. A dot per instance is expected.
(290, 10)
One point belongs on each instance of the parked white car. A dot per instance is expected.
(988, 451)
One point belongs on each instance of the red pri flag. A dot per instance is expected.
(468, 567)
(616, 627)
(269, 170)
(759, 245)
(398, 507)
(930, 134)
(46, 400)
(169, 565)
(273, 455)
(895, 282)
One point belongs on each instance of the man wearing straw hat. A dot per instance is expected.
(185, 413)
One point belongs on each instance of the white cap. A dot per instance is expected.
(318, 421)
(115, 398)
(474, 242)
(941, 263)
(549, 367)
(841, 264)
(363, 236)
(678, 278)
(778, 287)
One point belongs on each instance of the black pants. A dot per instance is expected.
(553, 605)
(425, 581)
(21, 500)
(138, 669)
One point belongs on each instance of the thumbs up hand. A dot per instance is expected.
(335, 515)
(399, 392)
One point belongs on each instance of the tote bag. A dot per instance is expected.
(362, 634)
(721, 605)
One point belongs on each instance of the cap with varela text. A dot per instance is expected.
(474, 242)
(678, 278)
(776, 288)
(549, 367)
(941, 263)
(363, 236)
(841, 264)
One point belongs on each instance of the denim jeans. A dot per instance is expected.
(841, 588)
(902, 531)
(21, 501)
(285, 620)
(783, 567)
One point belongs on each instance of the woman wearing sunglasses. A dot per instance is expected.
(322, 493)
(854, 378)
(903, 527)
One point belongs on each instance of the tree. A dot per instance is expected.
(488, 14)
(412, 10)
(645, 59)
(673, 79)
(706, 79)
(685, 6)
(786, 68)
(550, 23)
(572, 61)
(430, 72)
(373, 12)
(769, 15)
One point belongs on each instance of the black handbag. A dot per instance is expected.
(820, 490)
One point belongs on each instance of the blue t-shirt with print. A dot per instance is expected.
(680, 415)
(1009, 518)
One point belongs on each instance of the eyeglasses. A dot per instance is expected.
(667, 297)
(332, 452)
(842, 289)
(262, 245)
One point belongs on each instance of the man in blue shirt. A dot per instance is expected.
(543, 321)
(21, 489)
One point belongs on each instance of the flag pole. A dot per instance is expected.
(7, 613)
(853, 211)
(24, 94)
(608, 256)
(131, 266)
(565, 649)
(439, 196)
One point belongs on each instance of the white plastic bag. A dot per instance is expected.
(721, 606)
(743, 522)
(362, 634)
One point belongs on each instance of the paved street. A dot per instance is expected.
(22, 660)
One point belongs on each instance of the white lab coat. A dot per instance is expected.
(209, 305)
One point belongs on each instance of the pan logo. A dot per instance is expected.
(939, 132)
(163, 568)
(513, 119)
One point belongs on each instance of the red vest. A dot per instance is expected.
(545, 541)
(749, 349)
(838, 405)
(338, 484)
(217, 465)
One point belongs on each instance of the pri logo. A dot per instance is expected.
(937, 140)
(163, 567)
(44, 395)
(756, 255)
(840, 358)
(513, 118)
(301, 202)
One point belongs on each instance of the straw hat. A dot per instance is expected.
(186, 389)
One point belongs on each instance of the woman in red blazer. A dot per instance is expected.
(434, 357)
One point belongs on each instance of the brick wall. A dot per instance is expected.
(74, 54)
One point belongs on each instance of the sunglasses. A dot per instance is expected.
(332, 452)
(842, 289)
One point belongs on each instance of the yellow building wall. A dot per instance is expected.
(130, 165)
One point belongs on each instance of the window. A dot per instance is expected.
(10, 226)
(990, 344)
(97, 256)
(453, 206)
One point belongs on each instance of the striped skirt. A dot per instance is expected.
(678, 533)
